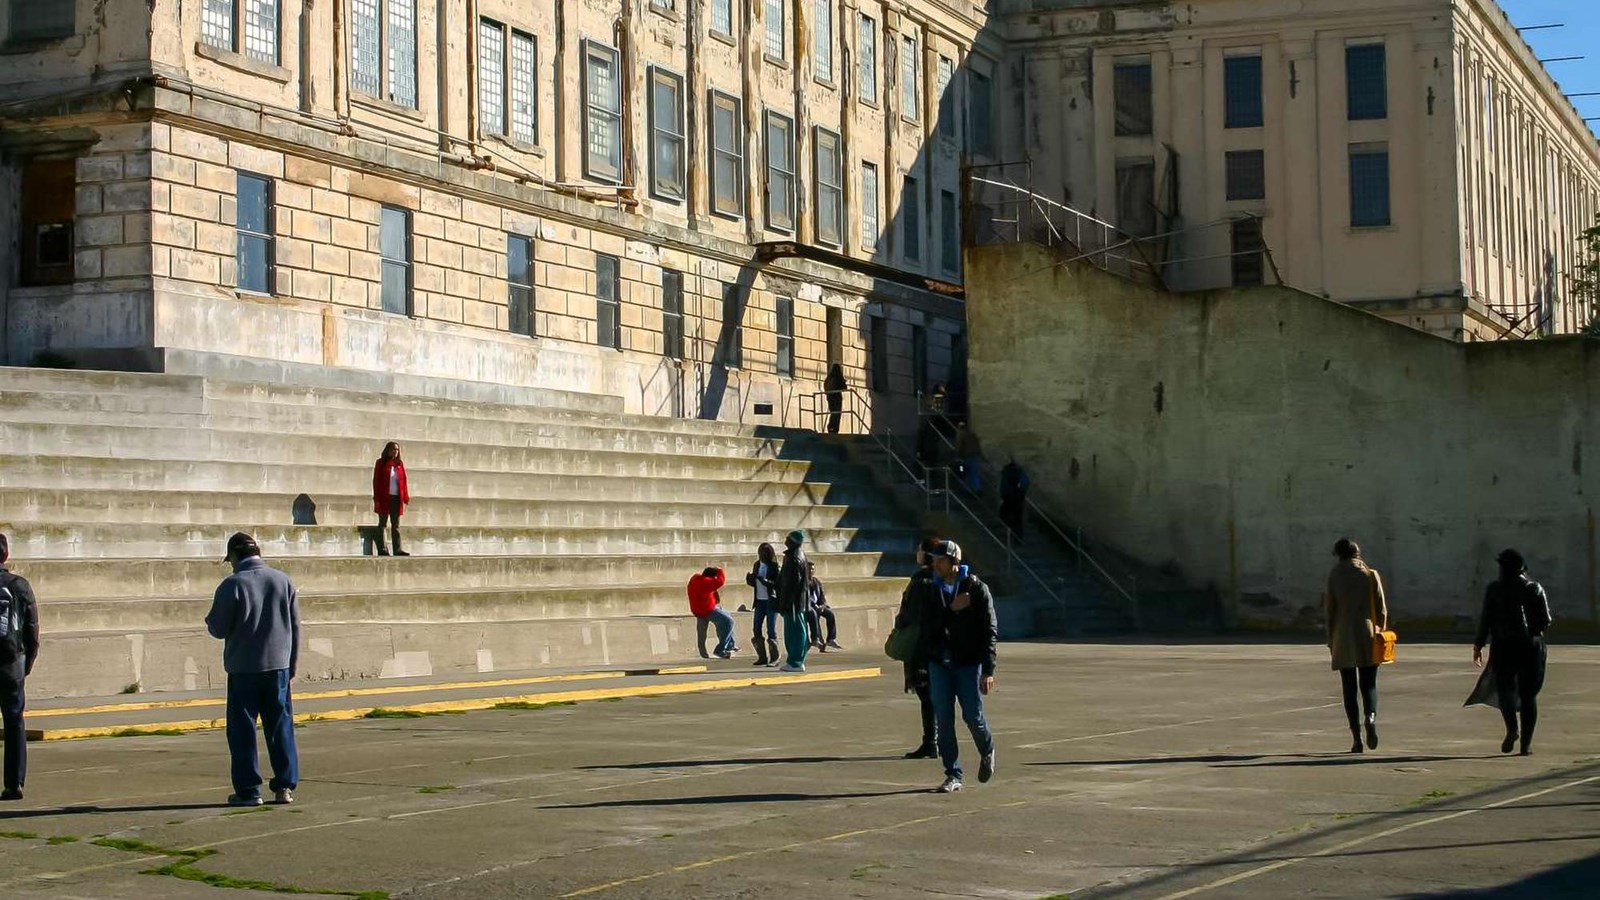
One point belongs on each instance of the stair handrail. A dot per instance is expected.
(885, 442)
(1130, 594)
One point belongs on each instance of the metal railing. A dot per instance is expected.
(850, 407)
(1129, 593)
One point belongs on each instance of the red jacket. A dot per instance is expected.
(703, 593)
(380, 486)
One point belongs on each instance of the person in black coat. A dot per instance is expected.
(919, 591)
(957, 636)
(835, 385)
(19, 650)
(1516, 615)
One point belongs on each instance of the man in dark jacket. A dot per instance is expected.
(257, 616)
(958, 636)
(1516, 615)
(920, 592)
(793, 600)
(19, 649)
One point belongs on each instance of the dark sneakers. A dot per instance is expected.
(986, 768)
(1372, 732)
(11, 794)
(926, 751)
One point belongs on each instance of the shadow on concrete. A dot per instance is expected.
(1574, 879)
(91, 810)
(750, 761)
(718, 799)
(1250, 761)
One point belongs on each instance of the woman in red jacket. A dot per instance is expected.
(390, 495)
(706, 605)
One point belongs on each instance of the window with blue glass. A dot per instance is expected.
(1369, 185)
(1242, 91)
(1366, 82)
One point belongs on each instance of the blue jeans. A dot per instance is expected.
(723, 622)
(946, 683)
(12, 702)
(766, 611)
(263, 694)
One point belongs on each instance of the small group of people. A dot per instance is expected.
(1512, 623)
(788, 589)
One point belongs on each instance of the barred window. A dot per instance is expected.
(869, 206)
(607, 308)
(727, 155)
(773, 14)
(1366, 81)
(1369, 185)
(780, 172)
(602, 113)
(722, 17)
(383, 49)
(822, 40)
(1246, 175)
(491, 77)
(829, 159)
(1249, 268)
(219, 27)
(785, 329)
(908, 77)
(254, 226)
(1241, 89)
(524, 80)
(911, 219)
(671, 314)
(1131, 88)
(947, 97)
(868, 55)
(667, 157)
(519, 284)
(40, 20)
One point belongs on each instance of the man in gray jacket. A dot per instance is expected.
(256, 615)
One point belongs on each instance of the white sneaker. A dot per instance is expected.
(950, 786)
(788, 667)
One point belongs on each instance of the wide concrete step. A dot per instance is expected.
(194, 444)
(488, 606)
(23, 507)
(106, 662)
(96, 540)
(62, 411)
(656, 478)
(373, 385)
(60, 579)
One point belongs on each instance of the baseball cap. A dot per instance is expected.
(949, 550)
(240, 546)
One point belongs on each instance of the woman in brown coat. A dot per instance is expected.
(1353, 611)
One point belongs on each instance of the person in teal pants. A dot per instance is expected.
(793, 582)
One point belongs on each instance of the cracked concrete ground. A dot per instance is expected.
(1127, 771)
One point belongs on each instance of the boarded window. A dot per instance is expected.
(1248, 267)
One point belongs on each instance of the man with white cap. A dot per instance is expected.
(958, 636)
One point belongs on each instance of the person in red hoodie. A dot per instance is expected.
(706, 605)
(390, 494)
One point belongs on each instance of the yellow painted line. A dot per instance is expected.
(481, 703)
(366, 692)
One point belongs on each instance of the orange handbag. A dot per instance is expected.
(1382, 641)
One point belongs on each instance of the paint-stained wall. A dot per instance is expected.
(1236, 435)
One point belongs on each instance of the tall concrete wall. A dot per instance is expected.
(1235, 435)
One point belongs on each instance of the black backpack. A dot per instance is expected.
(10, 620)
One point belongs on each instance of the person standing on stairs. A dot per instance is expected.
(19, 649)
(390, 494)
(835, 385)
(969, 455)
(1013, 496)
(257, 616)
(792, 600)
(763, 578)
(1354, 612)
(1516, 615)
(917, 594)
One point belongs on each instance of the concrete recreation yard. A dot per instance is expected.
(1126, 770)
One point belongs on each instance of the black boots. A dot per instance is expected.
(761, 651)
(1355, 740)
(1372, 731)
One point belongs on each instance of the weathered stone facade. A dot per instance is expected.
(161, 111)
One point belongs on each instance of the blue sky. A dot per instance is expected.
(1580, 37)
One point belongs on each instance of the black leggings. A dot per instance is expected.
(1367, 677)
(1518, 676)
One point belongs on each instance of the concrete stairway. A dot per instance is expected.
(555, 531)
